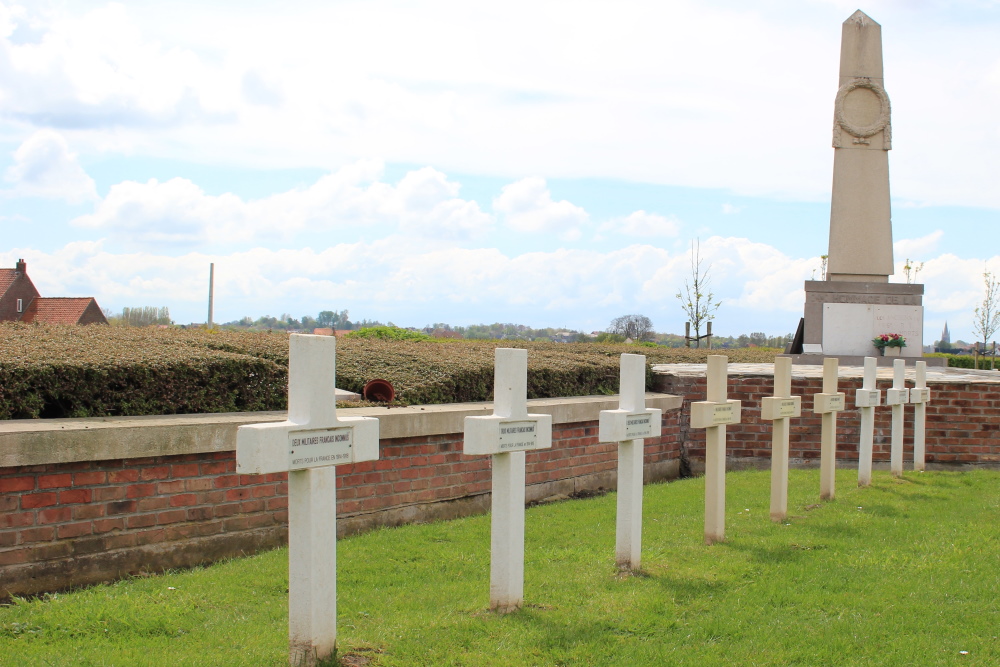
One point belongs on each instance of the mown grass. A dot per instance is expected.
(902, 573)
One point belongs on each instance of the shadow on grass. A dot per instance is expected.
(686, 588)
(838, 531)
(560, 642)
(903, 493)
(776, 554)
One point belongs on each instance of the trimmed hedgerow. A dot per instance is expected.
(72, 371)
(986, 363)
(387, 333)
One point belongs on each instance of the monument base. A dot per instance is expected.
(842, 317)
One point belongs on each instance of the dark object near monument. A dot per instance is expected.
(378, 390)
(795, 347)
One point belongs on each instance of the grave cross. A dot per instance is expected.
(627, 426)
(828, 404)
(507, 434)
(867, 399)
(778, 409)
(920, 396)
(712, 415)
(308, 446)
(897, 397)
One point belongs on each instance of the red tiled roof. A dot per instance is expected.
(56, 310)
(7, 277)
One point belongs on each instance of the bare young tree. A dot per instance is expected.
(987, 315)
(911, 269)
(636, 327)
(697, 298)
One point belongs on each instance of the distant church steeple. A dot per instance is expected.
(945, 335)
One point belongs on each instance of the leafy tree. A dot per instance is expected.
(333, 319)
(143, 316)
(987, 315)
(697, 298)
(636, 327)
(608, 337)
(388, 333)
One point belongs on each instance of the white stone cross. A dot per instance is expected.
(920, 396)
(627, 426)
(779, 409)
(507, 434)
(828, 404)
(867, 399)
(897, 397)
(308, 445)
(712, 415)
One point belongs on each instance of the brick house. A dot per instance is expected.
(21, 302)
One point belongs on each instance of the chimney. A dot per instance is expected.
(21, 267)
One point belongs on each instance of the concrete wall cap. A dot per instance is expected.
(27, 442)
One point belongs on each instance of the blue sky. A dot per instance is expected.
(546, 163)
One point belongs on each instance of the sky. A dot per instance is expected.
(544, 163)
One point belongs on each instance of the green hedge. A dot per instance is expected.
(94, 371)
(98, 371)
(967, 360)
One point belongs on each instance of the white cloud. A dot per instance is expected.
(178, 212)
(100, 70)
(427, 204)
(527, 206)
(44, 166)
(642, 224)
(259, 89)
(729, 209)
(287, 86)
(413, 282)
(743, 274)
(916, 248)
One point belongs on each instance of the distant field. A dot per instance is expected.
(904, 572)
(65, 371)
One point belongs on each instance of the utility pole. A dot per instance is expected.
(211, 292)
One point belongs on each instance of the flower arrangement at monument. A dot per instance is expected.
(893, 342)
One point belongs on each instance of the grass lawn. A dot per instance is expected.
(905, 572)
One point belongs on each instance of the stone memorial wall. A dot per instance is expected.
(962, 423)
(90, 500)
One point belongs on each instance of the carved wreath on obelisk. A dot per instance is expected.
(862, 133)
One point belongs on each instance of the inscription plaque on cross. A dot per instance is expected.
(828, 404)
(897, 397)
(779, 409)
(713, 415)
(506, 435)
(920, 396)
(627, 426)
(867, 399)
(308, 446)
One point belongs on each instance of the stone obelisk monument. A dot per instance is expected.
(856, 301)
(860, 224)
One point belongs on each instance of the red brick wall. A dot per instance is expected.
(22, 288)
(90, 521)
(93, 314)
(963, 421)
